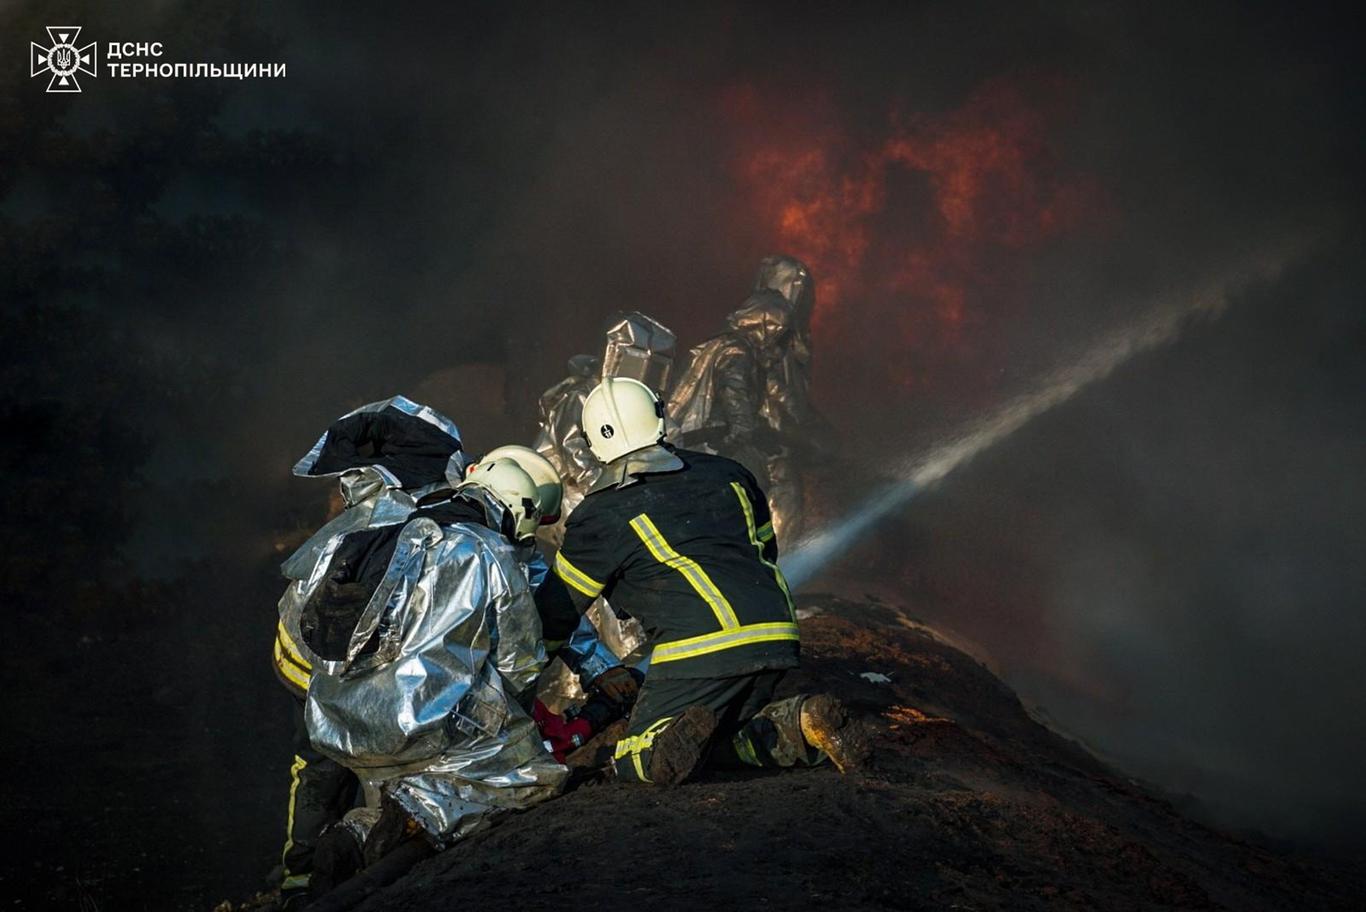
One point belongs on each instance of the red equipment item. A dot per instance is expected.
(562, 737)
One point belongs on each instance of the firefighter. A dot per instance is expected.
(684, 541)
(559, 439)
(746, 392)
(386, 456)
(637, 345)
(787, 399)
(425, 683)
(802, 432)
(391, 456)
(719, 403)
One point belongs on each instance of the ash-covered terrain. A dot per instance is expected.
(968, 803)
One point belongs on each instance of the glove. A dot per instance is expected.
(617, 684)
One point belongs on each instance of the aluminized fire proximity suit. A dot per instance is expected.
(746, 392)
(637, 346)
(787, 403)
(423, 689)
(718, 404)
(388, 455)
(559, 439)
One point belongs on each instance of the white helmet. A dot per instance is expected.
(549, 487)
(512, 487)
(621, 416)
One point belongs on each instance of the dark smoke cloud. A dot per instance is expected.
(446, 202)
(1167, 566)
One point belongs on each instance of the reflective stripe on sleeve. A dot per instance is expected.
(576, 578)
(744, 749)
(293, 667)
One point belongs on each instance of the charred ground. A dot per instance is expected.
(968, 804)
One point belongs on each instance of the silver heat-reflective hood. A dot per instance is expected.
(373, 494)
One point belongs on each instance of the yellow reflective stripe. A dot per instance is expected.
(575, 577)
(724, 639)
(636, 745)
(296, 881)
(663, 552)
(744, 748)
(291, 672)
(754, 539)
(765, 532)
(299, 764)
(283, 638)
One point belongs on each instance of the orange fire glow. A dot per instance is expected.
(920, 235)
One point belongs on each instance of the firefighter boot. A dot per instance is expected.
(393, 828)
(337, 859)
(680, 749)
(826, 727)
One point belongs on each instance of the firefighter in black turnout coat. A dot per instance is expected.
(684, 542)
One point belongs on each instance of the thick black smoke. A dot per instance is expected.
(446, 201)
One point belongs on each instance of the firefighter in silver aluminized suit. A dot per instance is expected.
(388, 455)
(787, 399)
(717, 406)
(640, 347)
(427, 668)
(560, 439)
(746, 392)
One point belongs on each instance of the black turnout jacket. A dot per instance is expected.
(683, 541)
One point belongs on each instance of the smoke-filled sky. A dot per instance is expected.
(446, 201)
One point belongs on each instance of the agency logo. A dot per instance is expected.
(63, 59)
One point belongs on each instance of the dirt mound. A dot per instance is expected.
(968, 804)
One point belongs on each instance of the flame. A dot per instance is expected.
(907, 716)
(916, 236)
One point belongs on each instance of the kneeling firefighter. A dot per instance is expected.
(429, 642)
(684, 541)
(386, 456)
(393, 457)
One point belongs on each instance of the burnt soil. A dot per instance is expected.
(968, 803)
(149, 771)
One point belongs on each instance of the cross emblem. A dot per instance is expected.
(63, 59)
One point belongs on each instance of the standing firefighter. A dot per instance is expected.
(683, 540)
(787, 396)
(637, 346)
(560, 439)
(746, 391)
(787, 408)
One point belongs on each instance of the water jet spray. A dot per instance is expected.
(1163, 324)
